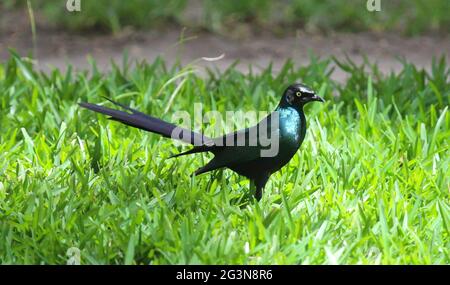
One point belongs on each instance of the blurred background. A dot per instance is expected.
(256, 32)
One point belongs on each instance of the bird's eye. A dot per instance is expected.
(298, 94)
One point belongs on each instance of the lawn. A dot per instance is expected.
(370, 184)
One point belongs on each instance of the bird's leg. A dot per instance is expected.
(259, 184)
(252, 187)
(258, 193)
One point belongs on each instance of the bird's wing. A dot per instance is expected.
(219, 144)
(248, 136)
(236, 147)
(233, 149)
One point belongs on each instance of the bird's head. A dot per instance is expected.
(297, 95)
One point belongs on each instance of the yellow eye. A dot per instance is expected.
(298, 94)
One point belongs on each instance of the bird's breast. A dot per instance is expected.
(292, 128)
(291, 132)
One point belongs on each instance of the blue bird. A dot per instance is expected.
(256, 152)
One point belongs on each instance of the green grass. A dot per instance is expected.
(227, 16)
(370, 184)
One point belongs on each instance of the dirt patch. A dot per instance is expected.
(56, 48)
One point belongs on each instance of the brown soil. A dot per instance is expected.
(57, 48)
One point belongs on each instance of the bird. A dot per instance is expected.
(243, 151)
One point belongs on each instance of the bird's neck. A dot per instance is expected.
(292, 111)
(285, 106)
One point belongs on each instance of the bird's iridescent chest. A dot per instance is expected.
(292, 128)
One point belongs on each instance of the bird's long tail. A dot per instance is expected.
(145, 122)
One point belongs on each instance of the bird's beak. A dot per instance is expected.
(317, 98)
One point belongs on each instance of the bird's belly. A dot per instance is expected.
(286, 151)
(267, 165)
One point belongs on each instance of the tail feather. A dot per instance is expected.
(195, 149)
(213, 164)
(148, 123)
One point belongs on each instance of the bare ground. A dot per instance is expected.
(57, 48)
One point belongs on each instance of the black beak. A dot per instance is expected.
(317, 98)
